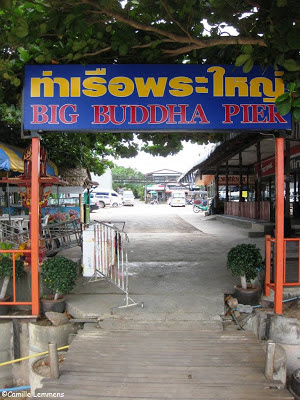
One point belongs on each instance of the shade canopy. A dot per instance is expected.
(11, 160)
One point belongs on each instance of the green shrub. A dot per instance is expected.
(244, 260)
(59, 274)
(6, 268)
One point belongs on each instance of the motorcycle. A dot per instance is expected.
(154, 201)
(199, 207)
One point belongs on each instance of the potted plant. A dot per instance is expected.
(6, 270)
(59, 275)
(245, 260)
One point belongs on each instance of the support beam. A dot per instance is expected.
(295, 192)
(258, 199)
(241, 177)
(279, 223)
(217, 189)
(35, 224)
(248, 186)
(227, 184)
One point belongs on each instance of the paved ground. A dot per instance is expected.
(174, 348)
(177, 262)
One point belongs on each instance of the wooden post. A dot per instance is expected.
(53, 360)
(227, 182)
(240, 183)
(279, 223)
(270, 357)
(248, 186)
(241, 177)
(217, 189)
(295, 193)
(35, 224)
(258, 200)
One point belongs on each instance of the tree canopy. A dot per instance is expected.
(240, 32)
(123, 178)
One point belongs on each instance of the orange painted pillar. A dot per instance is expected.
(279, 223)
(35, 224)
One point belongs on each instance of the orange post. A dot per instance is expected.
(267, 265)
(279, 223)
(34, 224)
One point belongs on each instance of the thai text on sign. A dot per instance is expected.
(151, 98)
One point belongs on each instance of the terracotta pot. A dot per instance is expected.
(3, 308)
(49, 304)
(250, 296)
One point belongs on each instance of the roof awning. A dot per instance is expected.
(11, 160)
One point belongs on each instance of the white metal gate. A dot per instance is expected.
(111, 258)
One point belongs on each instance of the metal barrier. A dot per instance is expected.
(291, 258)
(111, 259)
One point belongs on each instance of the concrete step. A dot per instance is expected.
(163, 321)
(161, 326)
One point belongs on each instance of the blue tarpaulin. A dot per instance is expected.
(11, 160)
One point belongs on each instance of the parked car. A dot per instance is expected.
(128, 198)
(177, 199)
(115, 198)
(94, 204)
(98, 201)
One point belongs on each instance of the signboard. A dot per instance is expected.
(156, 187)
(234, 180)
(268, 165)
(151, 98)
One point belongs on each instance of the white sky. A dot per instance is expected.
(180, 162)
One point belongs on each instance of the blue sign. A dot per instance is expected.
(151, 98)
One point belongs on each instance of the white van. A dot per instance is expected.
(177, 199)
(128, 198)
(115, 198)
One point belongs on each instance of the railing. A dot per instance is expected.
(57, 236)
(9, 233)
(14, 302)
(110, 258)
(291, 259)
(62, 235)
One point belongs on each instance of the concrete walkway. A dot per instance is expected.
(177, 264)
(175, 347)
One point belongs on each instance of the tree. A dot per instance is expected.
(125, 178)
(240, 32)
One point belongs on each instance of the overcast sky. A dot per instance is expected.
(181, 162)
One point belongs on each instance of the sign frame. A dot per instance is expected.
(141, 98)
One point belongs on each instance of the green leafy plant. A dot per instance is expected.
(290, 101)
(5, 246)
(59, 275)
(244, 260)
(6, 267)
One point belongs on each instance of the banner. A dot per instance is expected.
(151, 98)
